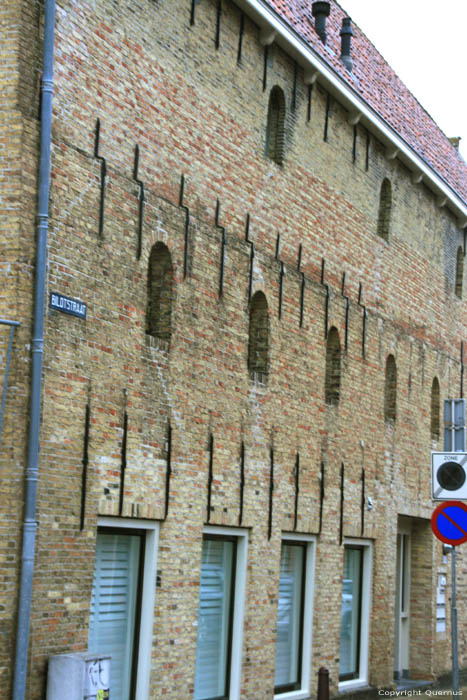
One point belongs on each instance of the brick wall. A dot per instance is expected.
(154, 81)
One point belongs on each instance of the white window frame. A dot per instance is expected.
(151, 528)
(304, 691)
(365, 602)
(241, 536)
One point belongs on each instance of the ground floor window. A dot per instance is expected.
(124, 579)
(220, 614)
(355, 607)
(294, 623)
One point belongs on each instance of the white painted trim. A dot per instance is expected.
(392, 152)
(293, 695)
(305, 690)
(354, 118)
(148, 595)
(239, 602)
(267, 36)
(312, 63)
(311, 76)
(298, 537)
(362, 680)
(345, 686)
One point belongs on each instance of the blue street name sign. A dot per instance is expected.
(449, 522)
(67, 305)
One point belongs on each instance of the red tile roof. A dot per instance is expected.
(381, 88)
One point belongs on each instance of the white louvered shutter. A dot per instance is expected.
(113, 606)
(212, 645)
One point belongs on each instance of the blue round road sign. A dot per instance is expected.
(449, 522)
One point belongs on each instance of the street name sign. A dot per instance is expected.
(67, 305)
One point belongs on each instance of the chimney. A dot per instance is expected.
(455, 140)
(320, 11)
(346, 40)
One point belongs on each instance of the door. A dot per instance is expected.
(402, 608)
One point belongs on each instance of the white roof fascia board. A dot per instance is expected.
(297, 47)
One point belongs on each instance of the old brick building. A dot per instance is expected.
(268, 234)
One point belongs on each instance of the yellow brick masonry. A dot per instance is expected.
(155, 81)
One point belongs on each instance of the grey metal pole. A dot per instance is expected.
(454, 412)
(455, 659)
(29, 525)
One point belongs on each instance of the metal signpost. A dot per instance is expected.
(454, 425)
(449, 519)
(449, 524)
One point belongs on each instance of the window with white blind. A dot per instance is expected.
(220, 614)
(124, 581)
(355, 614)
(294, 618)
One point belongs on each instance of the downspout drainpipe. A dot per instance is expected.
(29, 525)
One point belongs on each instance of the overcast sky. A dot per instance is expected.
(425, 43)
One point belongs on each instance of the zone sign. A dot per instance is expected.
(449, 476)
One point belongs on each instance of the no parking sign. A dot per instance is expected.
(449, 522)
